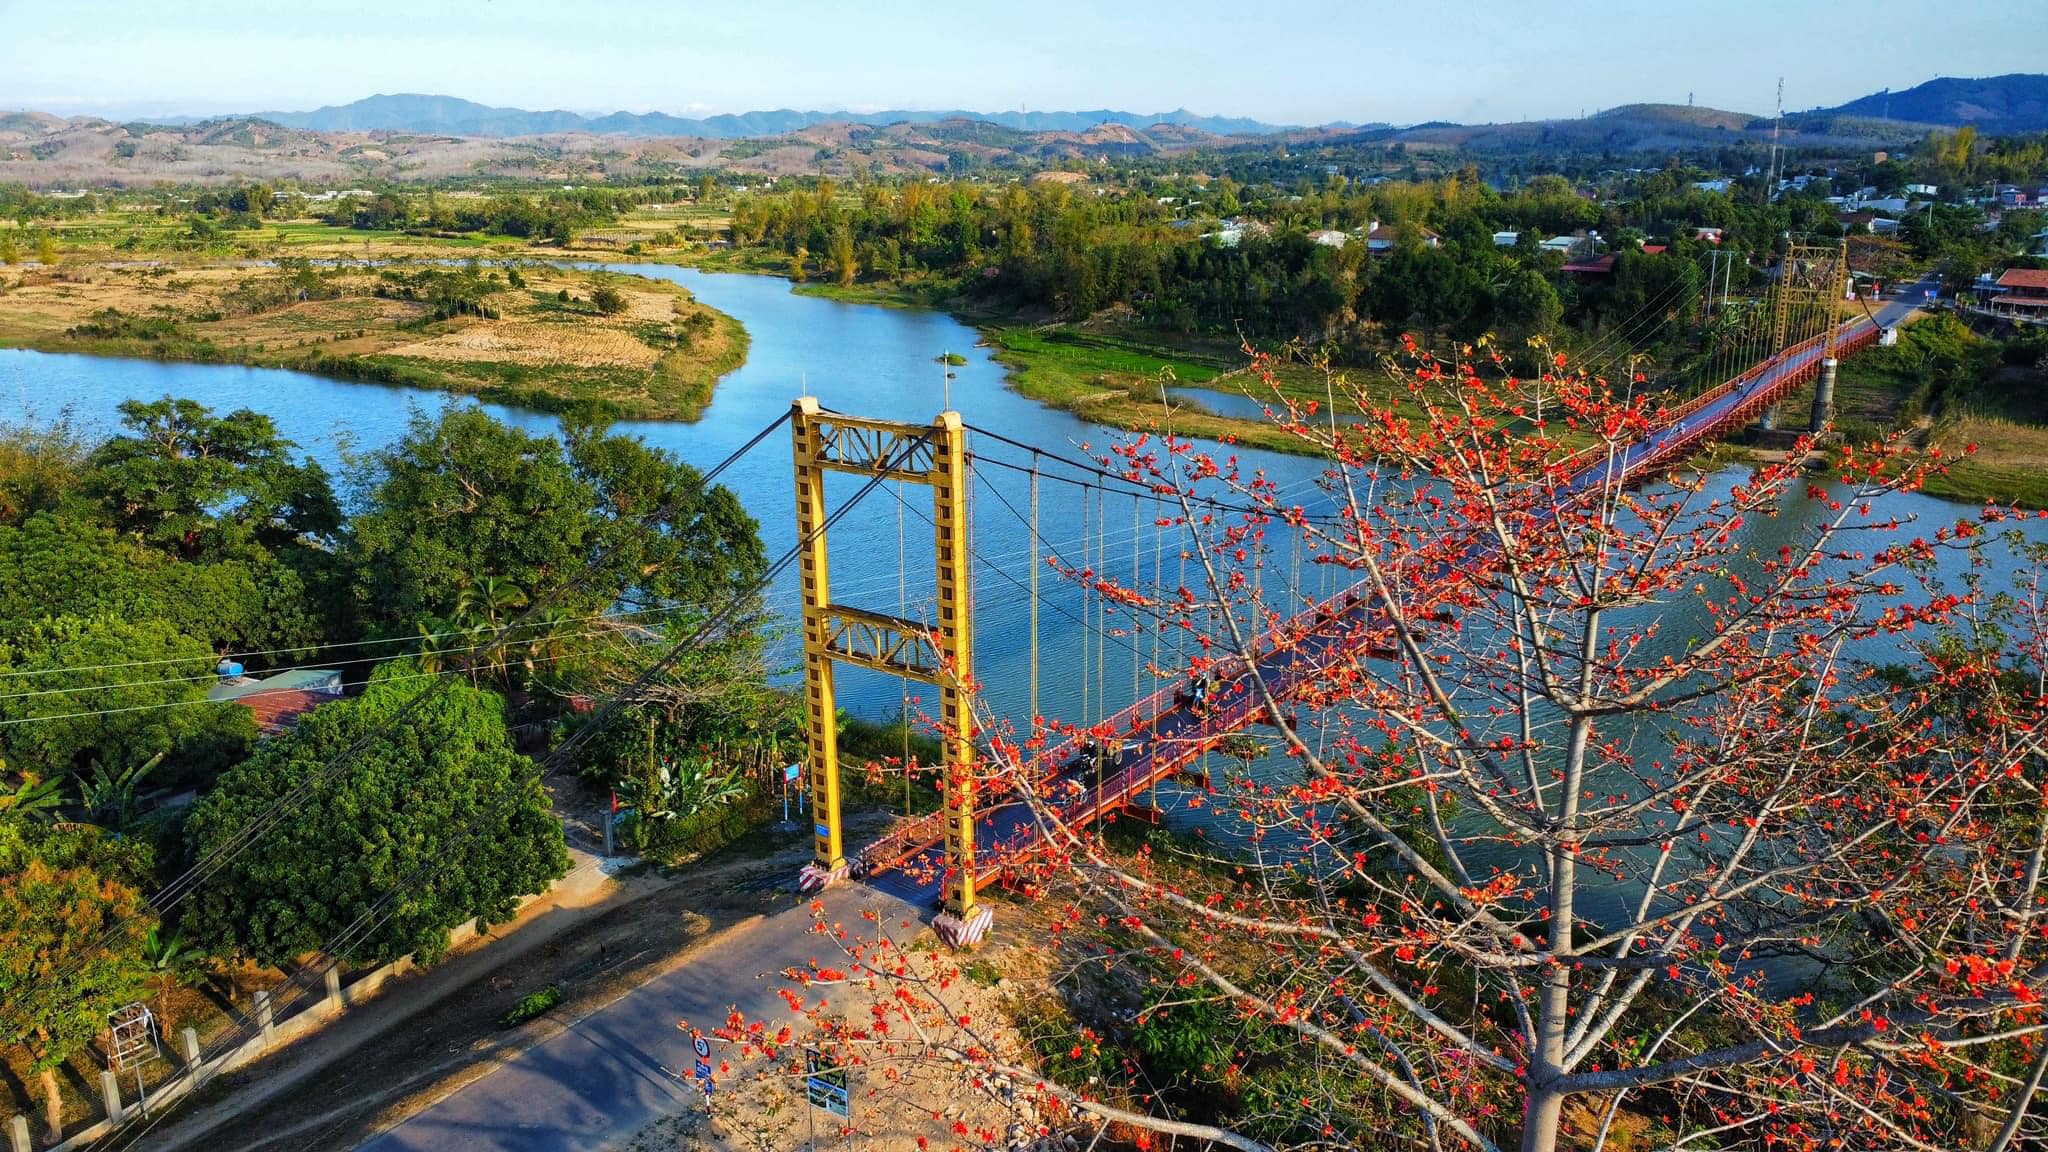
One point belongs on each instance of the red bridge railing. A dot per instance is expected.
(1240, 704)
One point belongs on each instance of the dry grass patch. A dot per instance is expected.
(538, 342)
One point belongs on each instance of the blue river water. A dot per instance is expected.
(859, 359)
(872, 361)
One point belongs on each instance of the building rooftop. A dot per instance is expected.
(278, 701)
(2024, 278)
(326, 680)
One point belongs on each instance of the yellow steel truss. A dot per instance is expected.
(940, 654)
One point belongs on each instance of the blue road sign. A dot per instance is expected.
(826, 1087)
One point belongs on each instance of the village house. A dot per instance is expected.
(1593, 267)
(1381, 239)
(2022, 294)
(277, 701)
(1329, 238)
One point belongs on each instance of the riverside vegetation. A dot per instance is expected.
(1096, 299)
(474, 579)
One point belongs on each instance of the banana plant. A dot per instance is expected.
(28, 796)
(107, 797)
(677, 789)
(170, 961)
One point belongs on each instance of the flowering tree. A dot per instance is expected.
(1672, 814)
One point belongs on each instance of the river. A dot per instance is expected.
(855, 358)
(859, 359)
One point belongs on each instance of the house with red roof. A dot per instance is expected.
(2022, 294)
(278, 701)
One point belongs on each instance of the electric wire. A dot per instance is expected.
(174, 892)
(602, 715)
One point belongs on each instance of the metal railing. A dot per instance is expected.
(1242, 703)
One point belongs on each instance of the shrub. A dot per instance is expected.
(531, 1005)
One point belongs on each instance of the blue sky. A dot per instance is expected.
(1306, 61)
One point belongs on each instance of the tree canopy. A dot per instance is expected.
(188, 481)
(114, 693)
(72, 927)
(438, 814)
(463, 497)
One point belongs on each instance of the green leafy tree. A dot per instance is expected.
(72, 932)
(608, 300)
(844, 266)
(52, 565)
(463, 498)
(116, 693)
(186, 480)
(9, 254)
(438, 810)
(40, 465)
(46, 250)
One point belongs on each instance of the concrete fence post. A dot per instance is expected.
(191, 1039)
(110, 1094)
(265, 1018)
(17, 1134)
(334, 986)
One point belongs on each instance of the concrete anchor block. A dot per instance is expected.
(110, 1094)
(191, 1038)
(266, 1019)
(17, 1134)
(333, 975)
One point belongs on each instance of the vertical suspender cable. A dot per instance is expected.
(1034, 559)
(1101, 606)
(1137, 618)
(1086, 538)
(1158, 623)
(903, 612)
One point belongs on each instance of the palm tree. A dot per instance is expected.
(436, 642)
(489, 599)
(547, 639)
(480, 611)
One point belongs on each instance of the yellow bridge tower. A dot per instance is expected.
(941, 654)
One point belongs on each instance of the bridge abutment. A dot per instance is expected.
(966, 931)
(1824, 395)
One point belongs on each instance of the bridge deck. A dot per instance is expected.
(1163, 735)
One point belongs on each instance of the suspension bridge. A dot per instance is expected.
(943, 858)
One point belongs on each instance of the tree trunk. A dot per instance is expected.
(1542, 1119)
(53, 1105)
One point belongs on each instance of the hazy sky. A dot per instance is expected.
(1297, 61)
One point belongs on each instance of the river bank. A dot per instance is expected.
(640, 365)
(536, 337)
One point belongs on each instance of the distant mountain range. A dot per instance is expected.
(452, 116)
(2017, 102)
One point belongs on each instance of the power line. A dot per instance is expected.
(174, 892)
(597, 720)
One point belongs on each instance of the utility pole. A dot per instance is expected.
(1771, 178)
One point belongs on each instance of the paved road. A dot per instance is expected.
(616, 1070)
